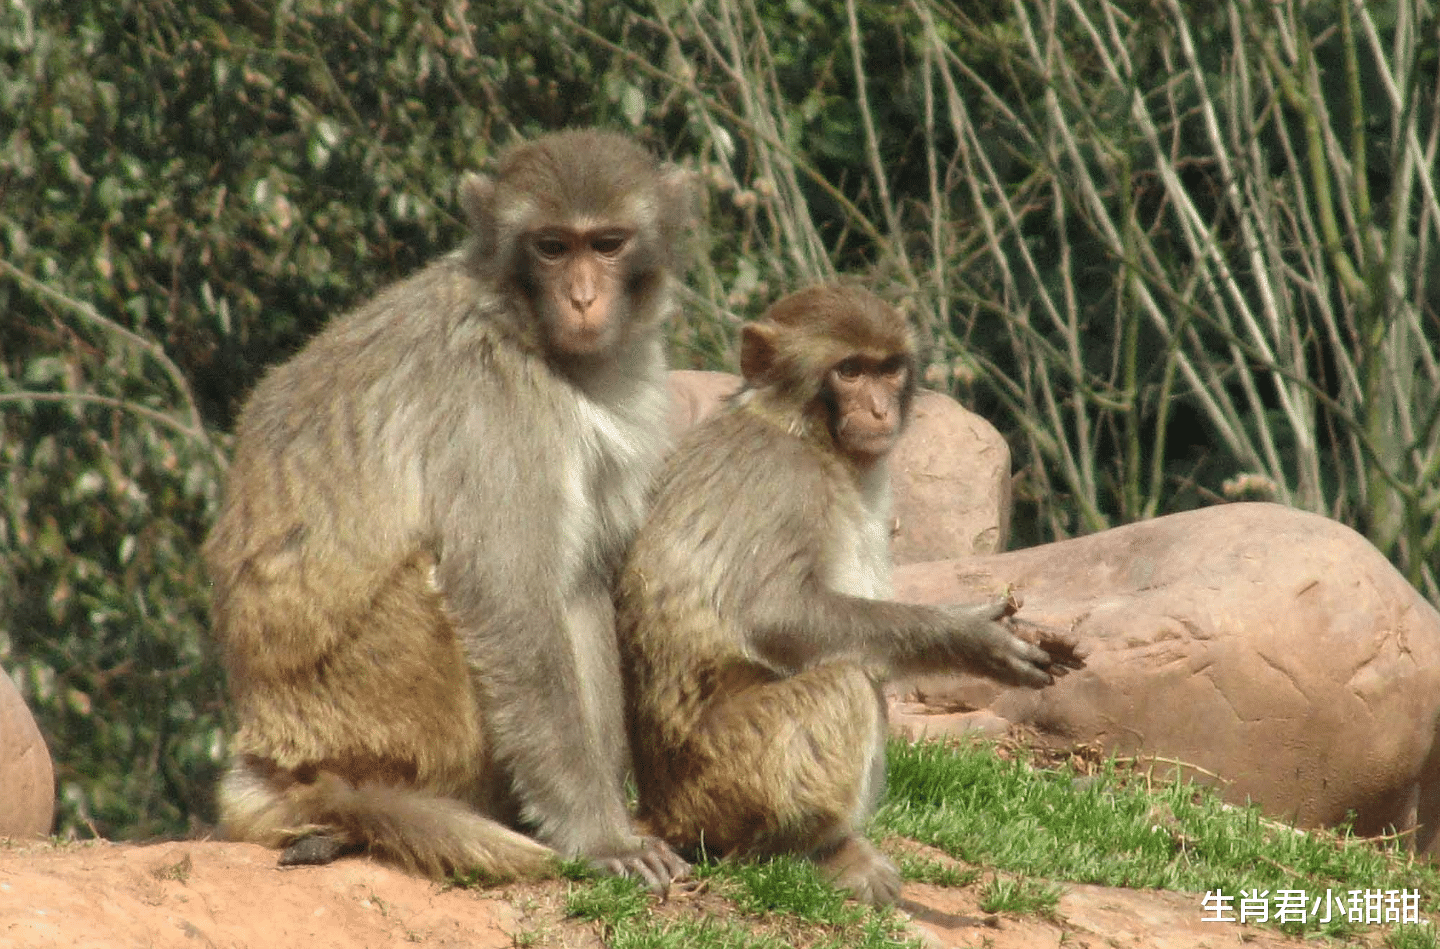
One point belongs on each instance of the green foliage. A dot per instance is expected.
(105, 607)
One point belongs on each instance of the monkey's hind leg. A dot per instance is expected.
(796, 766)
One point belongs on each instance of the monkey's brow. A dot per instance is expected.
(868, 359)
(594, 224)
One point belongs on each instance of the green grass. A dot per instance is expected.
(772, 901)
(1115, 830)
(920, 869)
(608, 900)
(1020, 896)
(1028, 831)
(787, 885)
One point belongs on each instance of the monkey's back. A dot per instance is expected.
(683, 625)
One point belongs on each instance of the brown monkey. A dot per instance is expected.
(754, 626)
(413, 568)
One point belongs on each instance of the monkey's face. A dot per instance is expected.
(868, 398)
(579, 278)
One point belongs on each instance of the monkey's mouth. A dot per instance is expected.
(871, 444)
(584, 339)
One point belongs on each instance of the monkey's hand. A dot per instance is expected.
(1064, 648)
(985, 641)
(652, 862)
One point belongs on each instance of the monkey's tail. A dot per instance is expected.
(423, 832)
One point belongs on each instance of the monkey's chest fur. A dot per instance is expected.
(611, 458)
(857, 553)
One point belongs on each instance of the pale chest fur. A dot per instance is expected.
(858, 553)
(611, 459)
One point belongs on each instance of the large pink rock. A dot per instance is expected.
(27, 783)
(951, 475)
(951, 470)
(1277, 649)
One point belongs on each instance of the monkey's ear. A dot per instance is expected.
(477, 200)
(679, 213)
(679, 192)
(757, 350)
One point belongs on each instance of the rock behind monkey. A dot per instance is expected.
(413, 565)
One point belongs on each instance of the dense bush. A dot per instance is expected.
(1176, 251)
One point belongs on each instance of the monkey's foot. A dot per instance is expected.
(653, 862)
(316, 850)
(855, 865)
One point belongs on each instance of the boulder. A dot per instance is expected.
(696, 395)
(27, 783)
(1274, 649)
(951, 470)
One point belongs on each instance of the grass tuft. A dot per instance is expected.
(1111, 829)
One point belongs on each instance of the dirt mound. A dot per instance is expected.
(199, 894)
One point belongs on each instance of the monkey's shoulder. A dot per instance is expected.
(398, 326)
(747, 450)
(425, 305)
(738, 491)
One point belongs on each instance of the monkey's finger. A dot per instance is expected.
(631, 867)
(1028, 674)
(659, 863)
(1030, 654)
(1065, 655)
(656, 865)
(669, 862)
(1025, 664)
(656, 881)
(1064, 648)
(661, 872)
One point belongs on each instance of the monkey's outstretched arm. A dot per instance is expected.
(898, 637)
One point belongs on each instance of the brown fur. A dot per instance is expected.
(753, 614)
(428, 505)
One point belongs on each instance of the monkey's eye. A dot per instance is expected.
(892, 366)
(608, 245)
(849, 369)
(551, 248)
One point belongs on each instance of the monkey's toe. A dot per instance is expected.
(856, 866)
(654, 864)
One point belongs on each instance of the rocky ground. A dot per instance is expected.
(204, 894)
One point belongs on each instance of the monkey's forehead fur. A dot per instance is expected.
(583, 171)
(851, 317)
